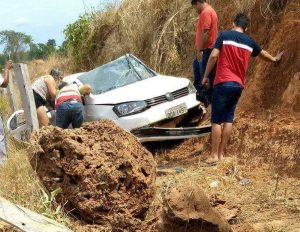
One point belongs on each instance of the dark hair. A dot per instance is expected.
(62, 85)
(56, 73)
(241, 20)
(194, 2)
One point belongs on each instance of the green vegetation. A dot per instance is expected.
(20, 48)
(40, 50)
(15, 44)
(77, 38)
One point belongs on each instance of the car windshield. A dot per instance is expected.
(121, 72)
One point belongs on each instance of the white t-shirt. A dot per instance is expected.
(1, 79)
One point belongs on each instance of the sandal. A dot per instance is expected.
(211, 162)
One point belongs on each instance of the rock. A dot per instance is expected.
(214, 184)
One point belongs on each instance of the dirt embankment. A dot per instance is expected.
(267, 126)
(271, 138)
(275, 86)
(107, 177)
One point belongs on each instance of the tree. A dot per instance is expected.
(15, 43)
(37, 51)
(40, 50)
(51, 43)
(63, 49)
(2, 61)
(50, 47)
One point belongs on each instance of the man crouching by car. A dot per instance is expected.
(69, 105)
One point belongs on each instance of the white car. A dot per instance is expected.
(140, 100)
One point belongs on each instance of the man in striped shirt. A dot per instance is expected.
(232, 52)
(69, 105)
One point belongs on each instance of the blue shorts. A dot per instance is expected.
(224, 100)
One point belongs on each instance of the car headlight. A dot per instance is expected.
(129, 108)
(192, 88)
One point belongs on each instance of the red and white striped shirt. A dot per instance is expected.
(67, 93)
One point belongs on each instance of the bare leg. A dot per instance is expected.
(216, 140)
(226, 132)
(42, 116)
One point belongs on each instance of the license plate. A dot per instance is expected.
(176, 111)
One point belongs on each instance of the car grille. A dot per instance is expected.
(168, 97)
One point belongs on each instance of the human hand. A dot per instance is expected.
(205, 81)
(199, 56)
(9, 65)
(279, 56)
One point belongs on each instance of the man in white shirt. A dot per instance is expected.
(4, 81)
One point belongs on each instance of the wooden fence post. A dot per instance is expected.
(27, 220)
(24, 85)
(10, 94)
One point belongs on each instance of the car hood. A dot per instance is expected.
(141, 90)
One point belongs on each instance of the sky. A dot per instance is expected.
(44, 19)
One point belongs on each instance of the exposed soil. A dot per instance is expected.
(107, 177)
(188, 203)
(275, 86)
(273, 139)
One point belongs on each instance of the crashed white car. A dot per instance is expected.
(140, 100)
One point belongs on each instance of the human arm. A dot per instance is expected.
(213, 59)
(51, 85)
(268, 57)
(8, 67)
(258, 51)
(210, 65)
(203, 41)
(203, 28)
(204, 38)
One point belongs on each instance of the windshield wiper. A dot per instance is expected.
(106, 90)
(130, 65)
(144, 66)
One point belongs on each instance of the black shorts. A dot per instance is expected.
(39, 101)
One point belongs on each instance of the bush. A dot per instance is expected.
(160, 32)
(76, 39)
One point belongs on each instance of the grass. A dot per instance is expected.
(17, 180)
(265, 199)
(38, 68)
(20, 185)
(4, 107)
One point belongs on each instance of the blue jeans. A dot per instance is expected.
(199, 70)
(69, 112)
(224, 100)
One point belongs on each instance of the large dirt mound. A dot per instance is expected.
(106, 175)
